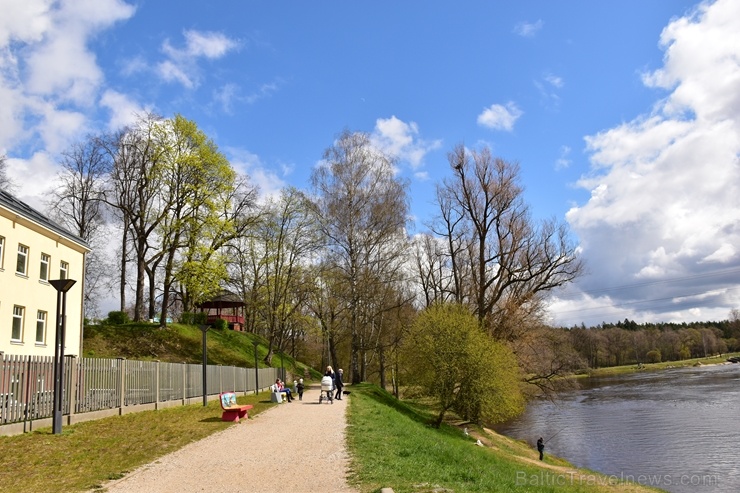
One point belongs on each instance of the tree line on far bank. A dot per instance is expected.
(628, 342)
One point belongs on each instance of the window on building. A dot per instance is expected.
(22, 264)
(2, 250)
(44, 272)
(16, 333)
(41, 327)
(63, 269)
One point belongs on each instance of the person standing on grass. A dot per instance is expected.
(541, 448)
(339, 384)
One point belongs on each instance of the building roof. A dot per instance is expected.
(22, 209)
(225, 299)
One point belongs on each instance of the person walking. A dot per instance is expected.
(541, 448)
(339, 384)
(299, 387)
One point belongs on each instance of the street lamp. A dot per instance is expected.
(256, 369)
(204, 329)
(62, 286)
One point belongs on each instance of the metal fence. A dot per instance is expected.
(118, 385)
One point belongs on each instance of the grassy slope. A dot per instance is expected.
(417, 458)
(180, 343)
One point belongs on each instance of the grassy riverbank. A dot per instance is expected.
(391, 445)
(665, 365)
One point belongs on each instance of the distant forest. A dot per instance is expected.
(629, 342)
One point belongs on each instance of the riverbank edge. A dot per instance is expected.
(665, 365)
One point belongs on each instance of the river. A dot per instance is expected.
(677, 429)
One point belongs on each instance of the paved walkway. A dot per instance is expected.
(293, 447)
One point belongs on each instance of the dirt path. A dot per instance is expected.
(296, 447)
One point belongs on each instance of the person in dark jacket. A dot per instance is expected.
(541, 448)
(299, 387)
(339, 384)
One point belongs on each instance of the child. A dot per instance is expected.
(300, 389)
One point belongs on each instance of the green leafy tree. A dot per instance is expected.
(449, 357)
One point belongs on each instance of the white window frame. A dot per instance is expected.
(2, 251)
(22, 260)
(17, 327)
(41, 317)
(44, 267)
(63, 270)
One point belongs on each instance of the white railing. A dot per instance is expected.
(93, 386)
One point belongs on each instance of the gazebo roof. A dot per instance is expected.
(225, 299)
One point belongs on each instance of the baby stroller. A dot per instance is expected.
(327, 385)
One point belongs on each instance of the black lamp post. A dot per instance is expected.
(204, 329)
(62, 286)
(256, 369)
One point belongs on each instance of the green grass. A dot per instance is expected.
(180, 343)
(391, 445)
(85, 455)
(619, 370)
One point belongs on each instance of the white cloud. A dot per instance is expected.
(181, 64)
(664, 186)
(528, 29)
(401, 140)
(208, 44)
(554, 81)
(500, 117)
(42, 170)
(247, 163)
(124, 111)
(173, 72)
(49, 78)
(563, 161)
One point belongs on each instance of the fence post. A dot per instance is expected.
(72, 387)
(184, 382)
(156, 384)
(121, 383)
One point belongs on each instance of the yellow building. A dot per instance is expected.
(34, 251)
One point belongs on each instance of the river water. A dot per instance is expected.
(677, 429)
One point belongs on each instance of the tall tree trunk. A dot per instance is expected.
(124, 262)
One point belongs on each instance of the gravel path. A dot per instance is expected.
(293, 447)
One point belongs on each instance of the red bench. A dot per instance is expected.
(232, 410)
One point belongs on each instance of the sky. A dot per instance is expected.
(624, 116)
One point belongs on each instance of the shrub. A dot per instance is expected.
(220, 324)
(451, 359)
(654, 356)
(118, 318)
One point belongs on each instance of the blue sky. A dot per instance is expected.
(623, 115)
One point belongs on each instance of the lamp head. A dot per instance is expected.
(62, 285)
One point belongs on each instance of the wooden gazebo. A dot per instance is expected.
(226, 306)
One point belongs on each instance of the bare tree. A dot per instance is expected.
(362, 210)
(135, 184)
(502, 260)
(6, 183)
(78, 205)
